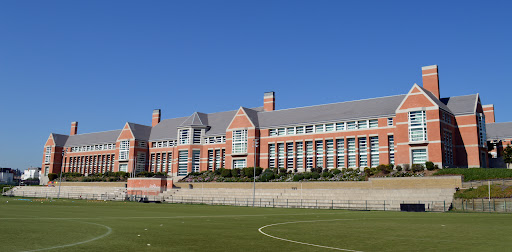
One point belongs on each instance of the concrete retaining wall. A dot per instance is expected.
(448, 182)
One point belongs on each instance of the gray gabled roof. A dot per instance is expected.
(253, 116)
(167, 129)
(93, 138)
(196, 119)
(499, 131)
(140, 132)
(436, 100)
(461, 105)
(60, 140)
(342, 111)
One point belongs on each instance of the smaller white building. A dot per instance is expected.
(31, 173)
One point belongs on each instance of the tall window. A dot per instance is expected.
(272, 156)
(351, 143)
(158, 163)
(124, 148)
(152, 162)
(448, 147)
(196, 160)
(182, 162)
(374, 151)
(417, 126)
(217, 159)
(329, 145)
(280, 155)
(481, 130)
(391, 141)
(184, 135)
(239, 163)
(240, 141)
(210, 160)
(289, 155)
(197, 136)
(47, 155)
(169, 160)
(320, 153)
(340, 149)
(363, 152)
(141, 161)
(419, 156)
(309, 154)
(300, 157)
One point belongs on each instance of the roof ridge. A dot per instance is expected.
(138, 124)
(332, 103)
(95, 132)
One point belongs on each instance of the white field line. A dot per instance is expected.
(109, 231)
(304, 243)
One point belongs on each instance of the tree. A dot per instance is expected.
(507, 155)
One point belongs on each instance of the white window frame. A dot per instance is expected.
(239, 143)
(417, 129)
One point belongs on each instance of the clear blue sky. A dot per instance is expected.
(103, 63)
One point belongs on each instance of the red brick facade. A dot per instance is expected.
(452, 138)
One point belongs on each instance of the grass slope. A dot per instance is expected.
(31, 225)
(477, 173)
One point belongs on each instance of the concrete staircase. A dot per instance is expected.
(363, 199)
(70, 192)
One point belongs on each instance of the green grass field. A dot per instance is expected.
(79, 225)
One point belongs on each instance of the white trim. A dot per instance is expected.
(430, 74)
(429, 67)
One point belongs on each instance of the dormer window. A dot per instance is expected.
(184, 136)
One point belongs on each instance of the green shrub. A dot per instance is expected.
(477, 173)
(429, 165)
(298, 177)
(417, 168)
(407, 167)
(383, 168)
(266, 176)
(259, 170)
(235, 173)
(226, 173)
(282, 170)
(399, 168)
(325, 174)
(52, 176)
(315, 175)
(336, 171)
(368, 171)
(307, 175)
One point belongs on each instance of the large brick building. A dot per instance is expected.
(403, 129)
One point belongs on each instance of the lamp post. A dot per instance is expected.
(61, 167)
(254, 172)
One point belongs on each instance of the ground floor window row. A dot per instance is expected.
(162, 162)
(339, 153)
(90, 164)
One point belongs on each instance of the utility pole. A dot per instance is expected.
(61, 167)
(256, 144)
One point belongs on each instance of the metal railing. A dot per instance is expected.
(384, 205)
(483, 205)
(475, 184)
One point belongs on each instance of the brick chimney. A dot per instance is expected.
(431, 79)
(269, 101)
(489, 113)
(74, 128)
(156, 117)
